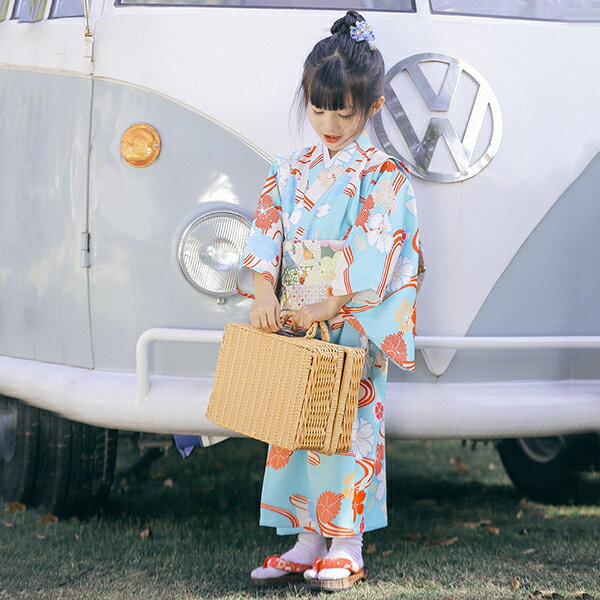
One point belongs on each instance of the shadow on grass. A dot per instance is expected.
(456, 528)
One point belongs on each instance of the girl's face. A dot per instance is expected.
(339, 128)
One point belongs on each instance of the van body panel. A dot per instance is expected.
(43, 173)
(550, 287)
(137, 215)
(541, 72)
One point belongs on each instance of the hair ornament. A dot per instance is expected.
(361, 32)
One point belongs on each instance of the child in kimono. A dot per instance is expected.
(336, 230)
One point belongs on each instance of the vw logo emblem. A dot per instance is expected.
(408, 91)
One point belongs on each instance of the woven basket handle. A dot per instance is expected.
(312, 330)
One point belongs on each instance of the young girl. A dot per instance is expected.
(336, 231)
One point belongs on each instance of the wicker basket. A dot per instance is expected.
(298, 393)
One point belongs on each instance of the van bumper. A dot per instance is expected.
(488, 410)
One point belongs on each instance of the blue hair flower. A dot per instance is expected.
(361, 32)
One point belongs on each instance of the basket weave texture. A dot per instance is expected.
(293, 392)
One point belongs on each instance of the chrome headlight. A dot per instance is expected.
(210, 249)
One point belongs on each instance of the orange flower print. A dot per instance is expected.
(278, 457)
(379, 454)
(358, 505)
(365, 213)
(395, 347)
(329, 505)
(379, 411)
(266, 213)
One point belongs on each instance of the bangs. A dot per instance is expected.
(327, 88)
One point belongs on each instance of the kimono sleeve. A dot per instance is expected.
(381, 265)
(262, 252)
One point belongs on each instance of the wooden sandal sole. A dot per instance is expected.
(336, 585)
(277, 581)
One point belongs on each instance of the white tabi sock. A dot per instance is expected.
(308, 547)
(346, 547)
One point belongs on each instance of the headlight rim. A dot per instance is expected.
(198, 218)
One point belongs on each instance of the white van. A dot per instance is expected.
(134, 140)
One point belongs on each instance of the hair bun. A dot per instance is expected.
(348, 20)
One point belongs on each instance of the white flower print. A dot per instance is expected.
(328, 176)
(384, 194)
(285, 218)
(363, 436)
(341, 157)
(284, 173)
(411, 204)
(295, 216)
(403, 271)
(323, 210)
(380, 485)
(378, 226)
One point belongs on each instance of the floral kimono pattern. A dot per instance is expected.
(346, 225)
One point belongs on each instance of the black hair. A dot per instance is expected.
(339, 69)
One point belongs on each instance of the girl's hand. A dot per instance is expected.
(321, 311)
(265, 313)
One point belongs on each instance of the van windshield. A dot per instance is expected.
(540, 10)
(387, 5)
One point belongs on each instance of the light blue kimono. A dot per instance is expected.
(345, 225)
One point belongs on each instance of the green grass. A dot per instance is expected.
(205, 538)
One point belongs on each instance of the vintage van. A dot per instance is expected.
(134, 139)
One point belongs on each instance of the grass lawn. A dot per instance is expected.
(188, 530)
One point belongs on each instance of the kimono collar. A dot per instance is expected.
(347, 154)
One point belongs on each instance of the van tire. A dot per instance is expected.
(549, 469)
(19, 427)
(73, 468)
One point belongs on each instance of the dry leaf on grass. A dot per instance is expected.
(414, 537)
(469, 524)
(483, 523)
(47, 519)
(15, 507)
(490, 529)
(460, 464)
(492, 466)
(146, 533)
(9, 524)
(168, 482)
(40, 536)
(386, 553)
(371, 549)
(157, 475)
(529, 551)
(516, 583)
(442, 542)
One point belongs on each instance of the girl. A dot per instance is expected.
(336, 232)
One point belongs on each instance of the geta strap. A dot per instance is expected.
(282, 564)
(336, 563)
